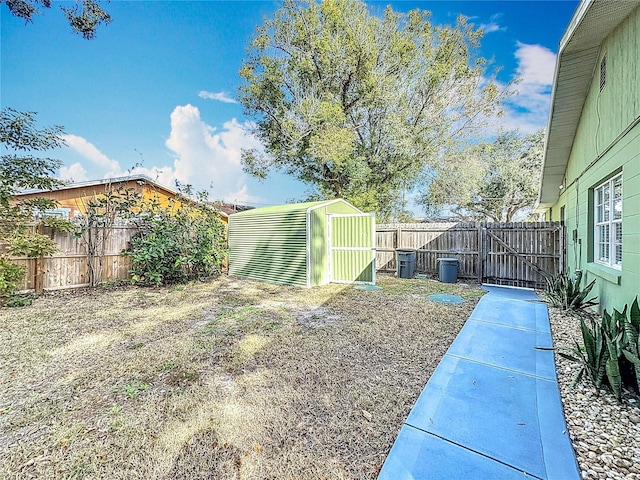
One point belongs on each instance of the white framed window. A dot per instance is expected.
(55, 212)
(608, 222)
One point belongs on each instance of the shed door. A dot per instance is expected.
(352, 252)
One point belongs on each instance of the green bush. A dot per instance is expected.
(178, 243)
(565, 293)
(11, 276)
(19, 301)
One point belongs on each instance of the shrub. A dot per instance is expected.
(19, 301)
(181, 242)
(564, 292)
(11, 275)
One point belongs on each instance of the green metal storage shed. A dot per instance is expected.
(303, 244)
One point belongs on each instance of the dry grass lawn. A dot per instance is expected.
(230, 379)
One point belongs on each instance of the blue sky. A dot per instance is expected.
(157, 86)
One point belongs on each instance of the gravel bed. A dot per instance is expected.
(605, 434)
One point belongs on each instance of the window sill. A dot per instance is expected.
(609, 274)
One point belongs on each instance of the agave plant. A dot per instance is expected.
(610, 353)
(612, 329)
(630, 344)
(565, 293)
(597, 357)
(592, 355)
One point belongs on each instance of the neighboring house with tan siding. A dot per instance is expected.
(72, 198)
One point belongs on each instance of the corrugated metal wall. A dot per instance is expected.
(352, 232)
(270, 244)
(270, 247)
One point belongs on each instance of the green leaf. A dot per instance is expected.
(569, 357)
(578, 377)
(635, 314)
(633, 358)
(566, 294)
(592, 342)
(631, 331)
(613, 377)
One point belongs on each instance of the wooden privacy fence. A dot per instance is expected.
(515, 253)
(497, 253)
(68, 268)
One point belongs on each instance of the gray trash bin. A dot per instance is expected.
(448, 270)
(405, 263)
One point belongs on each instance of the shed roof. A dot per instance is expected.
(289, 207)
(578, 52)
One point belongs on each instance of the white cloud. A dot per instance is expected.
(220, 96)
(107, 167)
(73, 173)
(536, 64)
(207, 158)
(242, 196)
(528, 109)
(89, 151)
(490, 27)
(493, 25)
(162, 175)
(204, 157)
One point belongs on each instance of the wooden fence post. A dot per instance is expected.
(479, 264)
(38, 275)
(38, 271)
(484, 247)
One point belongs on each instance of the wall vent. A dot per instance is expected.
(603, 72)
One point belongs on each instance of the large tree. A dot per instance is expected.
(493, 181)
(356, 104)
(84, 17)
(20, 169)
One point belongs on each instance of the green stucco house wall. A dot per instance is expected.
(591, 173)
(303, 244)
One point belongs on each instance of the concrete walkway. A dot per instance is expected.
(491, 409)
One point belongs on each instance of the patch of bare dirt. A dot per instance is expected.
(227, 379)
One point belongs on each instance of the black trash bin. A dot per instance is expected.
(405, 263)
(448, 270)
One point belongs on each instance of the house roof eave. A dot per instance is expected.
(104, 181)
(577, 59)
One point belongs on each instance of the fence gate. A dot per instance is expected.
(512, 253)
(520, 254)
(352, 253)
